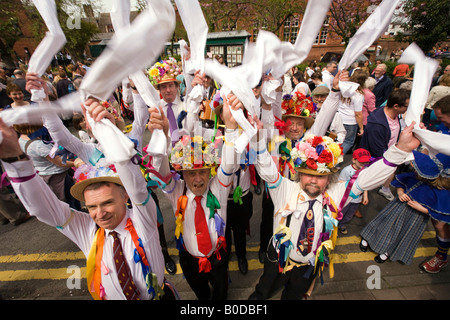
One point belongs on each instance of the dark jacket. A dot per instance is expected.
(376, 134)
(382, 90)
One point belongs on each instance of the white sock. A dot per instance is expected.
(385, 189)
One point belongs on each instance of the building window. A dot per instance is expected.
(234, 55)
(323, 36)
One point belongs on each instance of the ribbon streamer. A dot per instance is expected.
(424, 69)
(53, 41)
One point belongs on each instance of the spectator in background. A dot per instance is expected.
(436, 93)
(369, 99)
(351, 111)
(21, 82)
(5, 100)
(441, 110)
(63, 85)
(327, 73)
(384, 85)
(300, 85)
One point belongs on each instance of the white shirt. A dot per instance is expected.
(347, 108)
(42, 203)
(327, 78)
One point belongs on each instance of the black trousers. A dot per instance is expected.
(238, 216)
(266, 225)
(294, 282)
(199, 281)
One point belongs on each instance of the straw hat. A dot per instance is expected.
(299, 106)
(317, 155)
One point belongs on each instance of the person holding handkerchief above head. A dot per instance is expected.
(199, 200)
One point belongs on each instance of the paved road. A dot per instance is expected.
(37, 262)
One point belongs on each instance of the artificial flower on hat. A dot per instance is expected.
(195, 153)
(87, 174)
(164, 71)
(298, 105)
(317, 155)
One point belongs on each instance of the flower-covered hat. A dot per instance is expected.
(317, 155)
(87, 174)
(298, 105)
(164, 71)
(195, 153)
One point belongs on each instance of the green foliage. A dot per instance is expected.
(428, 23)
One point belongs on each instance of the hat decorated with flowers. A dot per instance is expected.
(298, 105)
(191, 153)
(164, 71)
(317, 155)
(87, 174)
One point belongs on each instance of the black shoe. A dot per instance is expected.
(258, 189)
(262, 256)
(254, 296)
(363, 245)
(171, 267)
(380, 259)
(243, 265)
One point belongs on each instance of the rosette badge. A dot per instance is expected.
(195, 153)
(317, 155)
(298, 105)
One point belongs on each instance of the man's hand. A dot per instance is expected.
(340, 76)
(97, 111)
(10, 145)
(230, 102)
(408, 141)
(158, 120)
(34, 82)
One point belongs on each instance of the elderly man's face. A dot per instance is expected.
(168, 91)
(313, 185)
(106, 205)
(319, 99)
(379, 71)
(197, 180)
(295, 128)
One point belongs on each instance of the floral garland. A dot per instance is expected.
(298, 104)
(195, 153)
(317, 153)
(164, 69)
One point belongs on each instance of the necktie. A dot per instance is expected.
(171, 117)
(306, 236)
(201, 228)
(123, 271)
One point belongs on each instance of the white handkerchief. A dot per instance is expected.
(369, 31)
(53, 41)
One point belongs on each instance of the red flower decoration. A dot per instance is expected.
(316, 141)
(311, 164)
(325, 157)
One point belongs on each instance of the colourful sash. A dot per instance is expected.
(94, 265)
